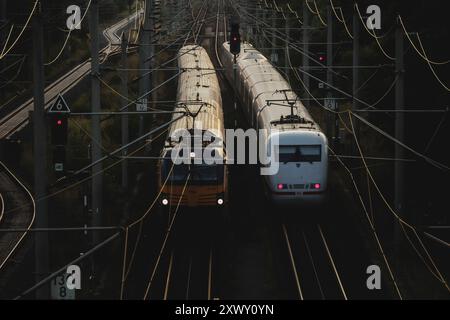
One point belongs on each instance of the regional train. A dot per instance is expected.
(269, 103)
(199, 182)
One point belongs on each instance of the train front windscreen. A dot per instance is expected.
(199, 174)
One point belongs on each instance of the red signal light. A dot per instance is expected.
(59, 128)
(280, 186)
(317, 186)
(322, 58)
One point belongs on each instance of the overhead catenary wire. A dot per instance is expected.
(379, 243)
(419, 154)
(281, 36)
(439, 276)
(373, 35)
(149, 209)
(168, 233)
(372, 226)
(438, 127)
(6, 51)
(341, 19)
(68, 36)
(436, 272)
(421, 52)
(295, 13)
(140, 221)
(309, 7)
(318, 14)
(33, 217)
(19, 70)
(401, 221)
(79, 182)
(431, 66)
(434, 163)
(7, 40)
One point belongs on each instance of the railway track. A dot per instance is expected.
(312, 263)
(224, 32)
(189, 275)
(183, 268)
(14, 194)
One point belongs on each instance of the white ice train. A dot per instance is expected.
(267, 99)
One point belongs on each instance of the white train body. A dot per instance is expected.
(302, 177)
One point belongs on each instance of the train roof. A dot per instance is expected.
(273, 93)
(198, 93)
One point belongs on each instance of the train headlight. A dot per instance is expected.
(220, 201)
(165, 202)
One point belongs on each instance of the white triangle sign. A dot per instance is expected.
(59, 106)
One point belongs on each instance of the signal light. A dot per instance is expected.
(235, 43)
(322, 57)
(280, 186)
(165, 202)
(316, 185)
(58, 124)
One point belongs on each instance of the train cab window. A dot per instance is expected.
(199, 174)
(302, 153)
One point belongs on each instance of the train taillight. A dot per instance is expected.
(282, 186)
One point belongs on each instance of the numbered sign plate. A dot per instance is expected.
(142, 106)
(59, 290)
(59, 106)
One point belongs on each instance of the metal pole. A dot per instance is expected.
(235, 80)
(124, 120)
(330, 75)
(356, 72)
(40, 155)
(263, 33)
(144, 64)
(154, 75)
(259, 37)
(286, 52)
(3, 35)
(273, 55)
(306, 50)
(399, 128)
(97, 180)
